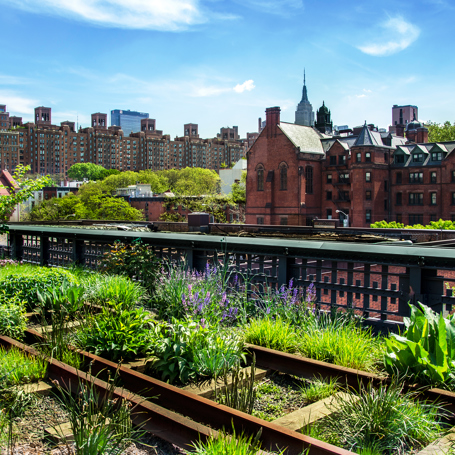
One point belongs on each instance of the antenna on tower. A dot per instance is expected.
(304, 76)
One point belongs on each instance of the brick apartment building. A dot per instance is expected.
(297, 173)
(52, 149)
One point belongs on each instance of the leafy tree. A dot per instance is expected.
(90, 171)
(441, 133)
(25, 189)
(109, 208)
(239, 190)
(121, 180)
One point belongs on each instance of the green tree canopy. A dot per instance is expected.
(441, 133)
(89, 171)
(25, 189)
(239, 190)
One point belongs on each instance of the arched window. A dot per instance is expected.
(309, 180)
(283, 176)
(260, 176)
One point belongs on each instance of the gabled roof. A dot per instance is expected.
(306, 138)
(368, 138)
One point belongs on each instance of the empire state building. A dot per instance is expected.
(304, 114)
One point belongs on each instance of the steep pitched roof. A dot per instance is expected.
(368, 138)
(9, 184)
(306, 138)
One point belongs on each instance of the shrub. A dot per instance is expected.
(272, 333)
(189, 351)
(136, 261)
(119, 335)
(384, 420)
(65, 299)
(114, 290)
(12, 317)
(26, 282)
(427, 348)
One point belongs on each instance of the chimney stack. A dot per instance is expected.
(272, 118)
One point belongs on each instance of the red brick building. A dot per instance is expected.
(297, 173)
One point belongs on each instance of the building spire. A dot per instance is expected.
(304, 92)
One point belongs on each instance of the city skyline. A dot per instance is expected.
(222, 63)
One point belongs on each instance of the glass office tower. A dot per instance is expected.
(129, 121)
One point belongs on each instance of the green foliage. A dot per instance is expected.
(441, 224)
(441, 132)
(25, 189)
(272, 333)
(239, 190)
(116, 290)
(25, 282)
(135, 260)
(65, 299)
(117, 335)
(18, 367)
(385, 420)
(188, 351)
(192, 181)
(89, 171)
(427, 348)
(319, 388)
(12, 316)
(55, 209)
(100, 423)
(108, 208)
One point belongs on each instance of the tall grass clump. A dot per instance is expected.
(381, 421)
(272, 333)
(12, 316)
(114, 290)
(319, 388)
(18, 367)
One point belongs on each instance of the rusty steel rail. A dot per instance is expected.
(192, 406)
(302, 366)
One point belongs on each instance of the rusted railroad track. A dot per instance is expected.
(178, 416)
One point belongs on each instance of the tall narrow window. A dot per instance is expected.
(260, 174)
(283, 177)
(309, 180)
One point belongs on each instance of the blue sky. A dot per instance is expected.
(221, 63)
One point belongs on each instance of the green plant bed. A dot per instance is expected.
(17, 367)
(382, 421)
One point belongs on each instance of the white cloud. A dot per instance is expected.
(403, 33)
(247, 85)
(17, 104)
(171, 15)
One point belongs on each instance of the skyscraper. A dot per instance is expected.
(129, 121)
(304, 114)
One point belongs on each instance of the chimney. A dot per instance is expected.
(422, 135)
(272, 119)
(259, 124)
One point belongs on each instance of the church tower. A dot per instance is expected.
(304, 114)
(323, 122)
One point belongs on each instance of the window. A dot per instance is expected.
(328, 195)
(399, 199)
(368, 195)
(415, 218)
(358, 157)
(399, 218)
(368, 157)
(260, 174)
(386, 186)
(343, 195)
(416, 177)
(415, 198)
(333, 160)
(433, 217)
(453, 198)
(329, 214)
(417, 157)
(344, 178)
(436, 156)
(399, 178)
(284, 220)
(386, 204)
(367, 176)
(283, 177)
(309, 180)
(260, 220)
(329, 178)
(399, 159)
(432, 198)
(341, 159)
(368, 216)
(433, 178)
(453, 176)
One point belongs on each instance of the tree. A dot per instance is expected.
(89, 171)
(121, 180)
(441, 133)
(239, 190)
(108, 208)
(24, 189)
